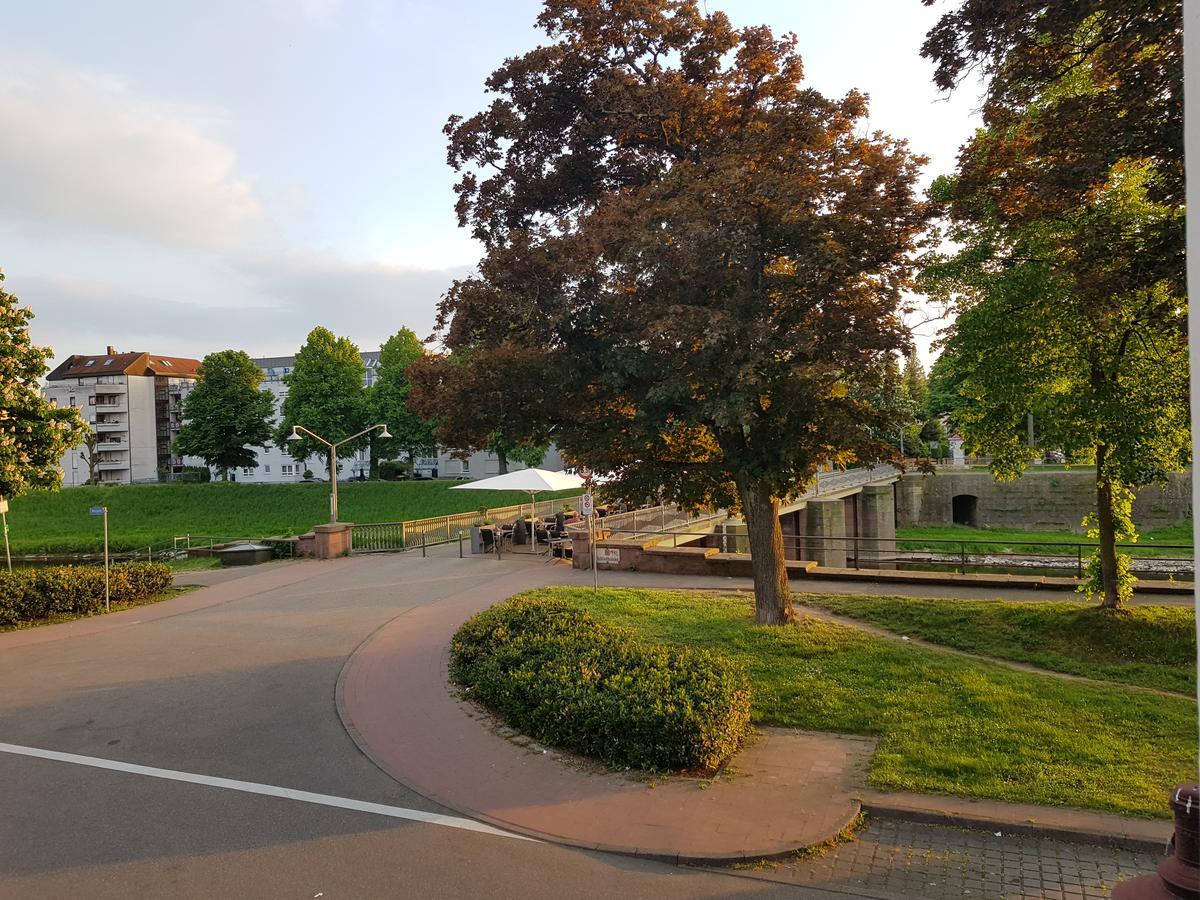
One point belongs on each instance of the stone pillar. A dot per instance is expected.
(877, 523)
(787, 525)
(581, 550)
(332, 540)
(826, 532)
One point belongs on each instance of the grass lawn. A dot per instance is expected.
(1015, 540)
(1154, 646)
(944, 724)
(142, 515)
(116, 606)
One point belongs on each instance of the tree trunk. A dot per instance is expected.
(1108, 540)
(224, 473)
(373, 448)
(503, 463)
(772, 595)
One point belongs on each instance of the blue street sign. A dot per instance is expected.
(96, 511)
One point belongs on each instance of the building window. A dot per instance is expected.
(245, 471)
(287, 469)
(72, 402)
(267, 469)
(92, 400)
(466, 467)
(89, 363)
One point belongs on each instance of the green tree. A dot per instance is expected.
(1069, 207)
(89, 444)
(325, 395)
(34, 434)
(700, 258)
(412, 434)
(493, 400)
(945, 381)
(227, 414)
(916, 384)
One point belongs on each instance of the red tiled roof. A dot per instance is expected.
(126, 364)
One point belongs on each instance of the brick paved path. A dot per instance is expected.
(902, 860)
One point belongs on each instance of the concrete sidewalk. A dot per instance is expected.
(789, 790)
(785, 791)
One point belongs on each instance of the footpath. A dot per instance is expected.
(786, 791)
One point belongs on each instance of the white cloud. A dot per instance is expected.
(125, 222)
(83, 154)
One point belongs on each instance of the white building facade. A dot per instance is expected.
(275, 464)
(131, 401)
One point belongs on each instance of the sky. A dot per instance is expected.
(183, 178)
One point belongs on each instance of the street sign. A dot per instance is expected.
(587, 506)
(96, 511)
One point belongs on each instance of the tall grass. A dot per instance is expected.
(143, 515)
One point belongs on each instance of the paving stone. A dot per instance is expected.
(905, 860)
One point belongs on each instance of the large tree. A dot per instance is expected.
(326, 395)
(412, 434)
(698, 257)
(227, 414)
(1069, 207)
(490, 401)
(34, 433)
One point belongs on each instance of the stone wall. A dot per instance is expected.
(1039, 500)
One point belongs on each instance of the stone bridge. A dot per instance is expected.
(843, 514)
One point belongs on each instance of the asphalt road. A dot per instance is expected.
(244, 690)
(238, 683)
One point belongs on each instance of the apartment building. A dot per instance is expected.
(274, 463)
(478, 465)
(132, 403)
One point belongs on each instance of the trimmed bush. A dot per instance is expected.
(553, 672)
(27, 595)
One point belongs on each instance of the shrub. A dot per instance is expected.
(27, 595)
(553, 672)
(394, 469)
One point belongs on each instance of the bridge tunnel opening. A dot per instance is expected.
(966, 510)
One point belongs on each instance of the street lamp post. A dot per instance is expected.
(295, 436)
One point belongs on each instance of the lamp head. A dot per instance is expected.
(295, 435)
(385, 433)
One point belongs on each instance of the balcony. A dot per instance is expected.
(112, 465)
(112, 446)
(109, 427)
(114, 404)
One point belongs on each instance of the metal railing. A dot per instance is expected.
(381, 537)
(962, 554)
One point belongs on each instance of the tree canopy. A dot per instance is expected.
(34, 433)
(326, 395)
(1069, 209)
(412, 434)
(226, 415)
(694, 258)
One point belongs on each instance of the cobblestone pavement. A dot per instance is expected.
(900, 860)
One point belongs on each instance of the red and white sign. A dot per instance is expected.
(587, 505)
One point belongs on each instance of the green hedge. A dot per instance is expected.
(27, 595)
(553, 672)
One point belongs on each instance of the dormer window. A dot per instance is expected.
(108, 362)
(89, 363)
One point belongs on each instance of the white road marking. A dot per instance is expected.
(266, 790)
